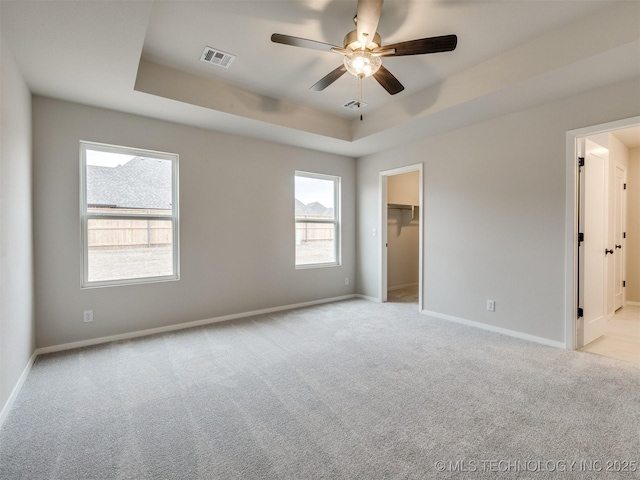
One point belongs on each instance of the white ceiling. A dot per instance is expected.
(630, 137)
(143, 57)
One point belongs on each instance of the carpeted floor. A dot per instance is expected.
(350, 390)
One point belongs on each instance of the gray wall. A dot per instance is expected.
(494, 211)
(17, 338)
(236, 226)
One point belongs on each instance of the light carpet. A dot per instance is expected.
(349, 390)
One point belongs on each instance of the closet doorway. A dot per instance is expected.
(401, 227)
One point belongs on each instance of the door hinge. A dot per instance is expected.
(580, 312)
(624, 283)
(624, 234)
(580, 238)
(581, 161)
(624, 187)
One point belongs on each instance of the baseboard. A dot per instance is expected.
(182, 326)
(635, 304)
(365, 297)
(16, 390)
(400, 287)
(491, 328)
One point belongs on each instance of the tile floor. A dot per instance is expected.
(622, 339)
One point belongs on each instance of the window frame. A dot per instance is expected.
(85, 216)
(336, 222)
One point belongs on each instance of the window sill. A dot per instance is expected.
(317, 265)
(124, 283)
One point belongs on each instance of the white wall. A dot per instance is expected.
(633, 227)
(17, 338)
(494, 203)
(403, 256)
(236, 226)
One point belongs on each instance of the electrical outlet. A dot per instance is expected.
(491, 306)
(87, 316)
(374, 231)
(346, 280)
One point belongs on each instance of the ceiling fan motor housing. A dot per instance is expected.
(351, 41)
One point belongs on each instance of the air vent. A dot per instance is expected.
(217, 57)
(355, 105)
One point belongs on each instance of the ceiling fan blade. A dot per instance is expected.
(445, 43)
(388, 81)
(367, 19)
(328, 79)
(302, 42)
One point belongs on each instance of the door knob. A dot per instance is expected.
(618, 246)
(606, 251)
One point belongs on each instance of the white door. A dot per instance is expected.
(619, 227)
(593, 218)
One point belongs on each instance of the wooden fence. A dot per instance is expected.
(106, 233)
(138, 233)
(312, 232)
(129, 233)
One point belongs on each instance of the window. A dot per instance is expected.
(129, 215)
(317, 207)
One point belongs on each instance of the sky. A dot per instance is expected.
(107, 159)
(309, 190)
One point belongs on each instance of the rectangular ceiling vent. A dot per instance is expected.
(217, 57)
(355, 105)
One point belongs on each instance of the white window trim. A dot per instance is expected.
(86, 216)
(337, 191)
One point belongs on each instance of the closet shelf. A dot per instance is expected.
(401, 206)
(407, 212)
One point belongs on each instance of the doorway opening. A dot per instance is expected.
(603, 240)
(401, 223)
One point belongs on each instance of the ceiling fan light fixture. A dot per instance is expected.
(362, 63)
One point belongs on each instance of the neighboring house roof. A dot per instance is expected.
(140, 183)
(314, 208)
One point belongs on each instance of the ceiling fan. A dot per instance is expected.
(363, 49)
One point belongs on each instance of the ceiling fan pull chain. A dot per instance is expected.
(360, 94)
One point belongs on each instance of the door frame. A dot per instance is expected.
(571, 220)
(418, 167)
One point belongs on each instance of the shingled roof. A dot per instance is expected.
(143, 183)
(315, 209)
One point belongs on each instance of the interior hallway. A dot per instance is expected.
(622, 339)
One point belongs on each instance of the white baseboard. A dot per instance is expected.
(181, 326)
(635, 304)
(400, 287)
(16, 390)
(491, 328)
(365, 297)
